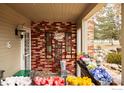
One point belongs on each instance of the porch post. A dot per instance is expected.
(84, 37)
(122, 42)
(78, 49)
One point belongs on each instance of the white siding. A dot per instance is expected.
(10, 58)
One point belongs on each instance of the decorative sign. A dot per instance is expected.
(59, 36)
(8, 44)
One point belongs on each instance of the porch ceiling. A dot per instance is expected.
(51, 12)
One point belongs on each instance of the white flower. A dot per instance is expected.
(16, 81)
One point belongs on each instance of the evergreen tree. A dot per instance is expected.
(107, 24)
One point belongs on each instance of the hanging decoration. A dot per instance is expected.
(59, 36)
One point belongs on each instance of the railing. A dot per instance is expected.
(106, 42)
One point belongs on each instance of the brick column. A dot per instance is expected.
(90, 34)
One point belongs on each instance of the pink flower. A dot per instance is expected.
(52, 81)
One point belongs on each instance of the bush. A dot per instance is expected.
(114, 58)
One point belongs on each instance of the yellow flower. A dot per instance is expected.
(72, 80)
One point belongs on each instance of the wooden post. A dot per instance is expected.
(122, 42)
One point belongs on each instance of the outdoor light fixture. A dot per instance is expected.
(19, 31)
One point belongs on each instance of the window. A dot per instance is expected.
(68, 40)
(48, 36)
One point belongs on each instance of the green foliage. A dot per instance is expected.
(107, 24)
(81, 53)
(114, 57)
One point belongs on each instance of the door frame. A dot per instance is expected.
(22, 63)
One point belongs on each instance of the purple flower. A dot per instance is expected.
(101, 75)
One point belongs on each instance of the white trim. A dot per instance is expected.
(78, 70)
(78, 49)
(78, 40)
(84, 37)
(30, 46)
(22, 64)
(84, 42)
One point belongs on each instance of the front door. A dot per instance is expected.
(59, 46)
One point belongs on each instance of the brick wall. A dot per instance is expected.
(91, 37)
(38, 42)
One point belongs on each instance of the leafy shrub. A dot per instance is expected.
(114, 57)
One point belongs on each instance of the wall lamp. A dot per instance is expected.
(19, 31)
